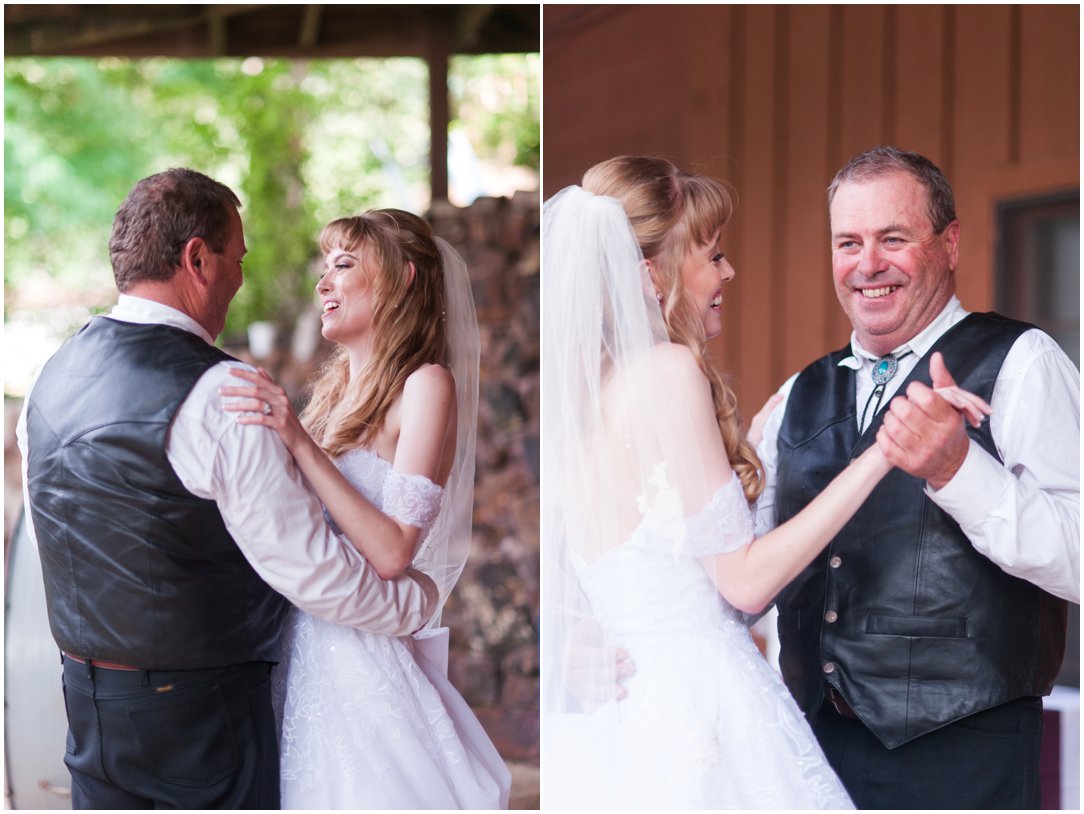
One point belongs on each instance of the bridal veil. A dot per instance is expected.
(444, 552)
(619, 454)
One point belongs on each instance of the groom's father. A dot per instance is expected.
(920, 642)
(171, 536)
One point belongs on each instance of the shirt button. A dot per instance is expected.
(829, 667)
(835, 562)
(831, 616)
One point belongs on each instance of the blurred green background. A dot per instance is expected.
(300, 141)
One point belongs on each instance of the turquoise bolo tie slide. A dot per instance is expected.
(884, 370)
(881, 374)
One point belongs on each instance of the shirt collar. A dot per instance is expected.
(920, 344)
(150, 312)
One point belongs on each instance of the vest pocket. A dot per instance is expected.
(935, 627)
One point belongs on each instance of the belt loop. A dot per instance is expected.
(145, 678)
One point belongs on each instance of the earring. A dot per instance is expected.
(658, 297)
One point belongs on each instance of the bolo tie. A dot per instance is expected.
(882, 373)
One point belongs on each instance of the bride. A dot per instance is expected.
(387, 443)
(648, 535)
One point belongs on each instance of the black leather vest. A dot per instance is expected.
(899, 613)
(138, 570)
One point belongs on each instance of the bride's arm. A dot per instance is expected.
(427, 402)
(752, 575)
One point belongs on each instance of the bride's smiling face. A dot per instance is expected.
(345, 290)
(702, 276)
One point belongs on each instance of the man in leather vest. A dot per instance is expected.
(171, 536)
(920, 642)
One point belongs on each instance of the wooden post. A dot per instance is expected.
(439, 112)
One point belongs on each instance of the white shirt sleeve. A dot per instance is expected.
(764, 520)
(1025, 514)
(278, 523)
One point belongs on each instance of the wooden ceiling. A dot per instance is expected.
(297, 31)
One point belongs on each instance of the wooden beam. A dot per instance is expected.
(472, 19)
(310, 27)
(88, 29)
(295, 31)
(439, 52)
(218, 36)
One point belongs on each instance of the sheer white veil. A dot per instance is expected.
(445, 550)
(616, 454)
(598, 315)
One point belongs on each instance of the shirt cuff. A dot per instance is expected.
(975, 491)
(432, 596)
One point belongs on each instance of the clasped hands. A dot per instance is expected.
(924, 434)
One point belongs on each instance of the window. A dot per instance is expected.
(1038, 265)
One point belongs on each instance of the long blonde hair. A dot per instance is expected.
(670, 211)
(408, 327)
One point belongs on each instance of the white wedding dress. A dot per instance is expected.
(369, 721)
(707, 722)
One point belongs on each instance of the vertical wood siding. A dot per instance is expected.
(775, 98)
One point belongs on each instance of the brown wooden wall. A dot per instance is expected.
(776, 98)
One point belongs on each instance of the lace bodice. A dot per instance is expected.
(672, 591)
(411, 499)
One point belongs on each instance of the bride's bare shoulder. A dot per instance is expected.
(672, 365)
(428, 382)
(668, 374)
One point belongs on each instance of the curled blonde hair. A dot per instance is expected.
(408, 327)
(671, 211)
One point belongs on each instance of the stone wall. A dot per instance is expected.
(493, 613)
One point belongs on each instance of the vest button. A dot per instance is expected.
(829, 667)
(835, 562)
(831, 616)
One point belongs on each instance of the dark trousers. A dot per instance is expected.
(987, 760)
(191, 739)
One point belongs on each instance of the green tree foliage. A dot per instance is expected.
(72, 143)
(300, 142)
(496, 96)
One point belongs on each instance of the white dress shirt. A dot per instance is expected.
(1024, 513)
(276, 521)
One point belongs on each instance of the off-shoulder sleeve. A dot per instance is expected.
(724, 525)
(411, 499)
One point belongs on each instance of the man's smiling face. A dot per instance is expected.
(892, 273)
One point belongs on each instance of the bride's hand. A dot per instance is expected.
(973, 408)
(923, 432)
(594, 672)
(264, 402)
